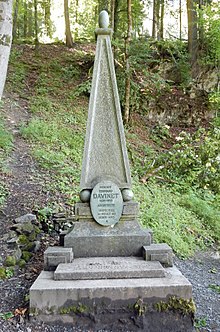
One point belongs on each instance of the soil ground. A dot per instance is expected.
(26, 183)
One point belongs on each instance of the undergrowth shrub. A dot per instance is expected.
(195, 159)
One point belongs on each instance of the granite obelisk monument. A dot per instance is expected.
(107, 274)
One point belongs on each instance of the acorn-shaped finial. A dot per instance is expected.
(103, 19)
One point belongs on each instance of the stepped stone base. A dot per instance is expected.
(109, 268)
(89, 239)
(114, 304)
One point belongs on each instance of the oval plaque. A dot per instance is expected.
(106, 203)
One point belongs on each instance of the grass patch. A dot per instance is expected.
(6, 144)
(172, 223)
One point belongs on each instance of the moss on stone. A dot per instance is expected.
(22, 239)
(2, 272)
(81, 308)
(181, 305)
(10, 261)
(140, 307)
(22, 263)
(26, 255)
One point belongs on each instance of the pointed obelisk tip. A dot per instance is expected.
(103, 19)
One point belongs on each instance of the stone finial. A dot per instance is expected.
(103, 19)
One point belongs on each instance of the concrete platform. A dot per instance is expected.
(115, 304)
(109, 268)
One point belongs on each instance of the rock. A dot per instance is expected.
(23, 228)
(13, 243)
(37, 246)
(9, 235)
(26, 218)
(17, 254)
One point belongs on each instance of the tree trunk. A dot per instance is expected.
(25, 18)
(116, 18)
(36, 41)
(47, 17)
(76, 20)
(161, 20)
(180, 17)
(15, 18)
(192, 31)
(5, 39)
(156, 17)
(128, 76)
(30, 20)
(113, 14)
(69, 38)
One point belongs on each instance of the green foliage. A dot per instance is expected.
(83, 88)
(6, 315)
(6, 272)
(140, 307)
(183, 306)
(9, 272)
(200, 322)
(18, 72)
(6, 138)
(216, 288)
(26, 255)
(171, 222)
(10, 261)
(2, 272)
(78, 309)
(195, 159)
(207, 212)
(214, 100)
(210, 22)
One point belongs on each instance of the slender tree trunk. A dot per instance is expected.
(47, 18)
(15, 18)
(69, 38)
(128, 75)
(5, 39)
(113, 14)
(76, 20)
(25, 19)
(180, 16)
(161, 20)
(156, 18)
(30, 19)
(36, 40)
(192, 31)
(116, 17)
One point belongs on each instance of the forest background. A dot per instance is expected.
(168, 78)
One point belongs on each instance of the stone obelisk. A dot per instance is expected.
(105, 154)
(108, 274)
(106, 207)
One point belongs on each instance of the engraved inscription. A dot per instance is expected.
(106, 203)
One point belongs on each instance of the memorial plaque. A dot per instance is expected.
(106, 203)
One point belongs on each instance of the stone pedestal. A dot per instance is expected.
(135, 304)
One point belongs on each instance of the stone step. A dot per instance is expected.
(109, 268)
